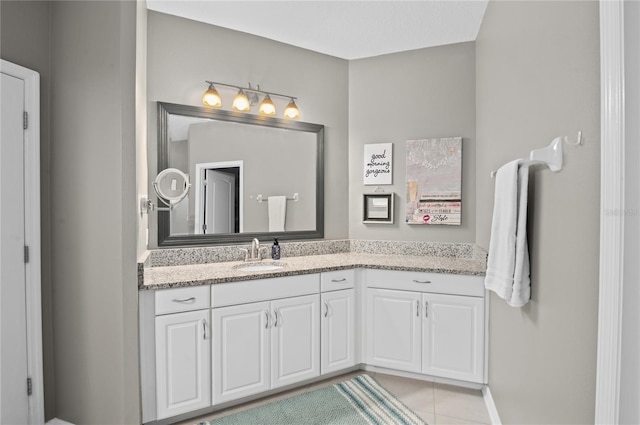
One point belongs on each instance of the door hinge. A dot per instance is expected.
(29, 386)
(26, 254)
(25, 120)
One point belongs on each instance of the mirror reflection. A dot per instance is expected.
(250, 176)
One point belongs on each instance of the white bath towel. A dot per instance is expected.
(508, 261)
(277, 213)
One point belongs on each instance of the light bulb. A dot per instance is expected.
(291, 111)
(211, 97)
(267, 107)
(241, 102)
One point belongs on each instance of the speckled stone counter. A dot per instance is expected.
(221, 272)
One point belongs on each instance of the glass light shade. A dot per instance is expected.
(211, 97)
(267, 107)
(291, 111)
(241, 102)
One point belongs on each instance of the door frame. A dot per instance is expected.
(32, 234)
(198, 188)
(612, 200)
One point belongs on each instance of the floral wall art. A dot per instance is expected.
(434, 180)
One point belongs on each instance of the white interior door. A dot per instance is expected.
(14, 407)
(219, 202)
(21, 388)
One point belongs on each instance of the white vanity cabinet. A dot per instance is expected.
(338, 309)
(394, 329)
(427, 323)
(183, 351)
(268, 344)
(453, 337)
(204, 346)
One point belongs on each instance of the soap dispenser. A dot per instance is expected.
(275, 249)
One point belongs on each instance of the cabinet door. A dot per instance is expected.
(337, 339)
(393, 329)
(295, 340)
(453, 337)
(240, 351)
(183, 358)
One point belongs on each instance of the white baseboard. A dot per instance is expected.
(491, 406)
(56, 421)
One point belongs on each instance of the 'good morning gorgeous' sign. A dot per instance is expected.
(378, 163)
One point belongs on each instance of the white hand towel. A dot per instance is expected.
(277, 213)
(508, 261)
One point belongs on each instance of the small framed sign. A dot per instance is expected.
(378, 164)
(378, 208)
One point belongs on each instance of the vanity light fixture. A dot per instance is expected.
(292, 111)
(241, 102)
(267, 107)
(211, 97)
(247, 97)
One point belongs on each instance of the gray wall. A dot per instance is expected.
(24, 40)
(630, 376)
(538, 78)
(93, 234)
(182, 54)
(419, 94)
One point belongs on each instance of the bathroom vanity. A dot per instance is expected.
(214, 335)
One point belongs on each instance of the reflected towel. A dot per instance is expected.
(277, 213)
(508, 261)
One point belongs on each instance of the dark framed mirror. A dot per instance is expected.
(251, 177)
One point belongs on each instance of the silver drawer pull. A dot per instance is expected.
(204, 329)
(421, 281)
(417, 308)
(326, 309)
(186, 300)
(339, 280)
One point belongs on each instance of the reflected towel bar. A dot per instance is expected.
(261, 198)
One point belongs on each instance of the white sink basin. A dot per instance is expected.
(259, 267)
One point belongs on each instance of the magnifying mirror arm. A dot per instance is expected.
(147, 205)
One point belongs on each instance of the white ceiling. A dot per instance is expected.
(345, 29)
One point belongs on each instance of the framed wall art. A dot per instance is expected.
(378, 164)
(378, 208)
(434, 181)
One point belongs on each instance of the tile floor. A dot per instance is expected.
(436, 403)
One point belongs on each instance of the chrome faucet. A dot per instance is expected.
(255, 249)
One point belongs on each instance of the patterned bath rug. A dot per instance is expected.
(358, 401)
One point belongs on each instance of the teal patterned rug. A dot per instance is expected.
(358, 401)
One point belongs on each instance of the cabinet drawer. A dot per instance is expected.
(249, 291)
(336, 280)
(439, 283)
(182, 299)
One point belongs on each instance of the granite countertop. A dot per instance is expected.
(222, 272)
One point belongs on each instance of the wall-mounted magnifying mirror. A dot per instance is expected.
(172, 186)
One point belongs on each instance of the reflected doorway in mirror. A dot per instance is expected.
(218, 206)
